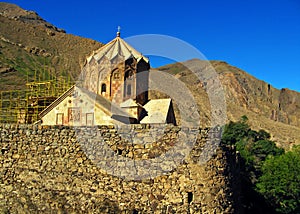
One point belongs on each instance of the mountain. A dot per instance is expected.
(31, 48)
(277, 111)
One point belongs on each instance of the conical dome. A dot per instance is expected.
(114, 50)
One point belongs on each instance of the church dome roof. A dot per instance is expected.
(116, 51)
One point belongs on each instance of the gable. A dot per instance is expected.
(78, 106)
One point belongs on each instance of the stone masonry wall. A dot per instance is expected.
(48, 169)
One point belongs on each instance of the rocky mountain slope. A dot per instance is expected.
(277, 111)
(31, 48)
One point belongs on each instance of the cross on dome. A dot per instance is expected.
(119, 33)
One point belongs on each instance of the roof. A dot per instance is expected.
(110, 108)
(114, 50)
(57, 101)
(157, 111)
(128, 103)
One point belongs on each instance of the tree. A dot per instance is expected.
(254, 148)
(235, 132)
(262, 148)
(280, 181)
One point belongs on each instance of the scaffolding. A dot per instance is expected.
(24, 106)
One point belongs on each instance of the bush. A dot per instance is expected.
(280, 181)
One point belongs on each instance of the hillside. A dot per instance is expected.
(31, 48)
(277, 111)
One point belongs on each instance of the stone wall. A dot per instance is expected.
(49, 169)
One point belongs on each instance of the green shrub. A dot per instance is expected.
(280, 181)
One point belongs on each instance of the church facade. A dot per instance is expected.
(113, 89)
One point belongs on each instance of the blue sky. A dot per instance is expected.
(260, 37)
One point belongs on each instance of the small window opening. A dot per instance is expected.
(103, 88)
(190, 197)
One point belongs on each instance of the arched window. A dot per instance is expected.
(103, 88)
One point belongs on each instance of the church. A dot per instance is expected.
(112, 89)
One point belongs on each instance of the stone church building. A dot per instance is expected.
(113, 89)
